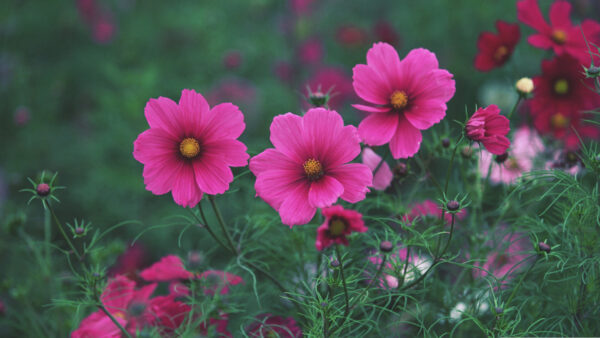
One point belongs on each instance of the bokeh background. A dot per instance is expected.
(75, 77)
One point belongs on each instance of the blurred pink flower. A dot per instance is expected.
(99, 20)
(429, 208)
(350, 35)
(311, 51)
(283, 71)
(339, 223)
(190, 147)
(404, 96)
(308, 168)
(232, 59)
(383, 177)
(301, 7)
(130, 262)
(22, 116)
(394, 267)
(385, 32)
(233, 89)
(505, 259)
(525, 147)
(268, 325)
(335, 81)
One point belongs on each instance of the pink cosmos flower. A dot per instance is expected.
(383, 177)
(490, 128)
(429, 208)
(404, 97)
(339, 223)
(525, 147)
(308, 168)
(561, 35)
(189, 147)
(504, 260)
(394, 267)
(269, 325)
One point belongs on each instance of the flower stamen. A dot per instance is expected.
(561, 86)
(559, 121)
(189, 147)
(559, 36)
(337, 227)
(399, 99)
(313, 169)
(500, 53)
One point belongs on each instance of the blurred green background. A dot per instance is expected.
(75, 77)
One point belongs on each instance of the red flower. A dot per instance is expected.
(339, 223)
(560, 35)
(561, 94)
(130, 262)
(490, 128)
(495, 50)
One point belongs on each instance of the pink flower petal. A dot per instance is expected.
(272, 159)
(185, 191)
(213, 175)
(560, 14)
(168, 268)
(540, 41)
(295, 209)
(223, 121)
(159, 178)
(233, 152)
(155, 145)
(163, 113)
(275, 185)
(529, 13)
(406, 141)
(194, 109)
(383, 177)
(384, 59)
(286, 136)
(324, 192)
(372, 109)
(356, 178)
(118, 293)
(415, 65)
(378, 128)
(369, 85)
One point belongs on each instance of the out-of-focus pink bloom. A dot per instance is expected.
(233, 89)
(301, 7)
(490, 128)
(268, 325)
(338, 224)
(385, 32)
(429, 208)
(351, 35)
(505, 259)
(2, 308)
(383, 177)
(100, 21)
(22, 116)
(166, 313)
(308, 168)
(560, 35)
(232, 59)
(394, 267)
(564, 160)
(311, 51)
(190, 147)
(525, 147)
(336, 82)
(283, 70)
(130, 262)
(495, 50)
(104, 29)
(404, 96)
(219, 281)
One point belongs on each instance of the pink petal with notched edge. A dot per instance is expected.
(529, 13)
(324, 192)
(117, 294)
(371, 109)
(223, 121)
(355, 177)
(163, 113)
(193, 109)
(560, 14)
(406, 140)
(160, 178)
(272, 159)
(286, 136)
(417, 63)
(154, 145)
(383, 177)
(212, 173)
(185, 192)
(369, 85)
(295, 209)
(233, 152)
(384, 59)
(377, 129)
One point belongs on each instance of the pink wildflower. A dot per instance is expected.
(268, 325)
(504, 260)
(405, 97)
(525, 147)
(383, 177)
(308, 168)
(490, 128)
(394, 267)
(189, 147)
(339, 223)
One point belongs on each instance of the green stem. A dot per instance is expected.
(514, 108)
(376, 278)
(452, 163)
(62, 231)
(512, 295)
(346, 298)
(210, 231)
(222, 224)
(47, 235)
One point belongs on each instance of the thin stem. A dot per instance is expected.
(376, 278)
(452, 163)
(347, 309)
(451, 232)
(514, 107)
(205, 222)
(62, 231)
(380, 163)
(101, 307)
(512, 295)
(222, 223)
(325, 324)
(47, 234)
(406, 263)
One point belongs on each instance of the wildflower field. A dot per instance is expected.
(299, 168)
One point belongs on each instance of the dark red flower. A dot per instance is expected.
(490, 128)
(385, 32)
(560, 35)
(339, 223)
(350, 35)
(130, 262)
(495, 50)
(268, 325)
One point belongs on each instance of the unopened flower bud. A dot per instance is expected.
(524, 86)
(318, 99)
(501, 158)
(335, 263)
(593, 71)
(544, 247)
(386, 246)
(79, 231)
(400, 170)
(324, 304)
(499, 310)
(195, 260)
(445, 142)
(43, 189)
(466, 152)
(453, 205)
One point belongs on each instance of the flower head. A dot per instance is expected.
(490, 128)
(189, 147)
(504, 260)
(308, 168)
(382, 178)
(269, 325)
(495, 50)
(560, 35)
(524, 86)
(404, 96)
(339, 223)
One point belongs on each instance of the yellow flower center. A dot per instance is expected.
(399, 99)
(336, 227)
(189, 147)
(120, 315)
(559, 36)
(561, 86)
(313, 169)
(559, 121)
(512, 163)
(500, 53)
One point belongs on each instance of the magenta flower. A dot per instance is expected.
(429, 208)
(339, 223)
(268, 325)
(490, 128)
(308, 168)
(189, 147)
(405, 97)
(383, 177)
